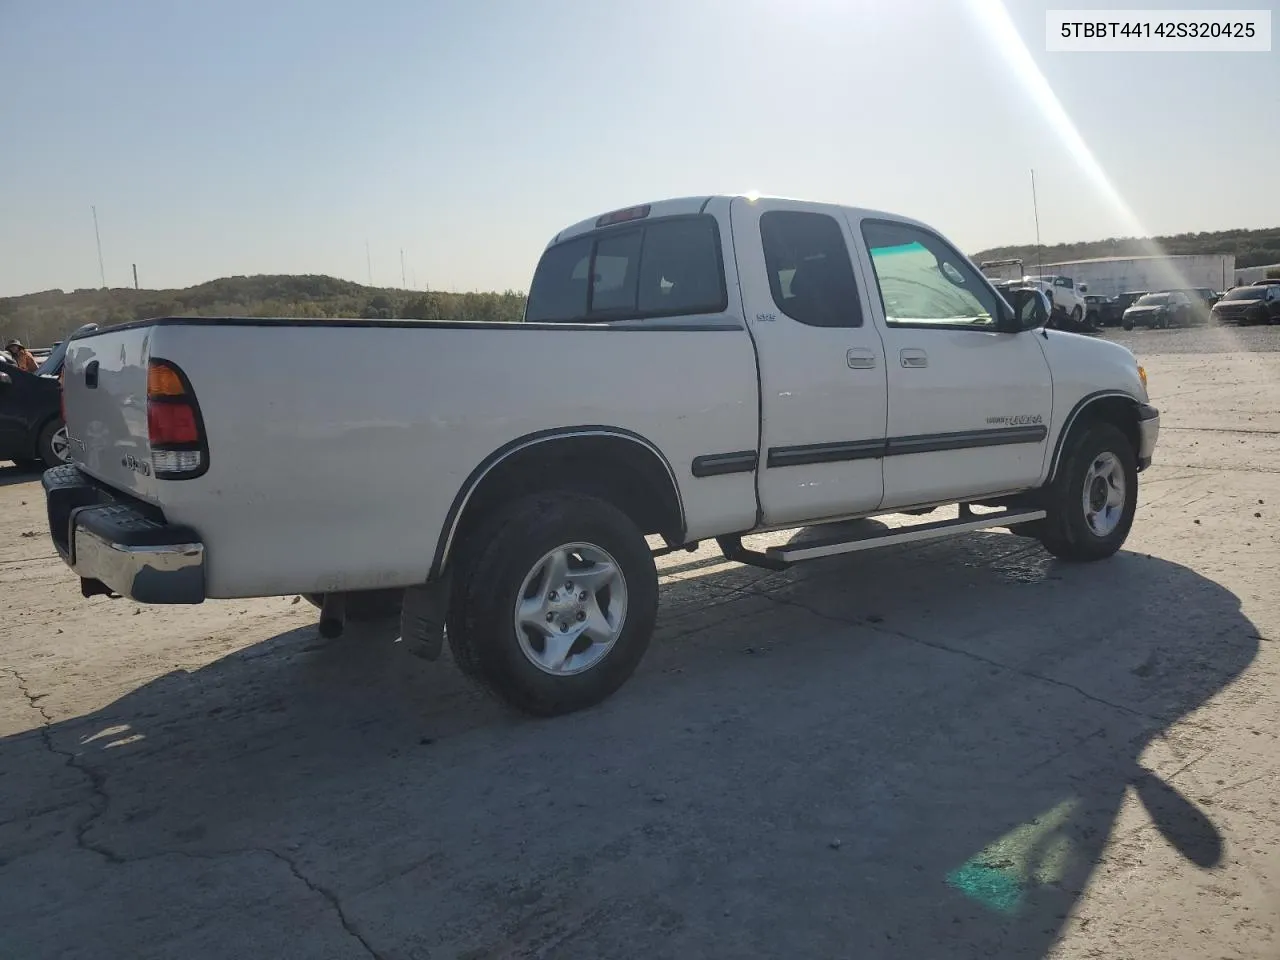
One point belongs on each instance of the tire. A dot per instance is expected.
(1098, 451)
(365, 606)
(516, 554)
(52, 446)
(1076, 314)
(1127, 323)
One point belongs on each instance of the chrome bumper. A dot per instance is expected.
(120, 546)
(1148, 433)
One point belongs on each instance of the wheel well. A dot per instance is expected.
(622, 471)
(40, 427)
(1120, 411)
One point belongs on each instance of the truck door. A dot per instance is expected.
(969, 405)
(821, 363)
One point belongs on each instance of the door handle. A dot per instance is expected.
(860, 359)
(91, 374)
(914, 358)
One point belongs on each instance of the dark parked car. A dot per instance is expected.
(1127, 300)
(1159, 310)
(31, 427)
(1101, 311)
(1259, 303)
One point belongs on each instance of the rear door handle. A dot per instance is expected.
(860, 359)
(914, 358)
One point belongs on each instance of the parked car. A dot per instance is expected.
(31, 428)
(1202, 300)
(1159, 310)
(691, 369)
(1100, 311)
(1259, 303)
(1126, 300)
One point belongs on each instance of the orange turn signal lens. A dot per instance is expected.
(1142, 375)
(163, 381)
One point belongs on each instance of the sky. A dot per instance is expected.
(281, 136)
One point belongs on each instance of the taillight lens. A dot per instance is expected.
(179, 449)
(171, 423)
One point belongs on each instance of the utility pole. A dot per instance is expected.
(102, 273)
(403, 282)
(135, 276)
(368, 262)
(1036, 210)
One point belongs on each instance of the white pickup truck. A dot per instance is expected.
(698, 368)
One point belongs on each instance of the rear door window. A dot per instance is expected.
(665, 268)
(810, 274)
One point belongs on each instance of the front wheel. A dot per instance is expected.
(1091, 502)
(554, 606)
(1126, 323)
(1076, 315)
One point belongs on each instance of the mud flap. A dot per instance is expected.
(422, 615)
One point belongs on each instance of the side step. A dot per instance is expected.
(778, 558)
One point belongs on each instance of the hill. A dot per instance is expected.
(40, 318)
(1252, 248)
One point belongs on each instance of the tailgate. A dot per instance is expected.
(105, 396)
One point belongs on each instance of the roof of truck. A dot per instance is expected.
(678, 206)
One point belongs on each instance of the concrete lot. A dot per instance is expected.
(960, 749)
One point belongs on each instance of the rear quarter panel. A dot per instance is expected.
(107, 423)
(337, 451)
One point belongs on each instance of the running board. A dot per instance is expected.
(779, 558)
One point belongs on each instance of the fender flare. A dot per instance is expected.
(445, 540)
(1080, 407)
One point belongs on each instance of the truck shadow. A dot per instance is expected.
(920, 752)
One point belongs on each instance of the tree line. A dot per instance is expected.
(39, 319)
(1252, 248)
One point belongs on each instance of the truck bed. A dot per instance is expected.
(337, 448)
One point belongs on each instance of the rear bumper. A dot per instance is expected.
(1148, 433)
(121, 545)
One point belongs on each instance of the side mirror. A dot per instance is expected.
(1029, 311)
(1082, 287)
(6, 381)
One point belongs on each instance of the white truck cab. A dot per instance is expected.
(697, 368)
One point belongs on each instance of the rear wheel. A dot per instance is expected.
(554, 606)
(1092, 500)
(52, 444)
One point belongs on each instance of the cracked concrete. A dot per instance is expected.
(946, 750)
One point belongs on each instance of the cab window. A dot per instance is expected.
(924, 282)
(664, 268)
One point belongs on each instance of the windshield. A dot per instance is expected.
(1152, 300)
(1244, 293)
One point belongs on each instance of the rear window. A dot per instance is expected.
(661, 269)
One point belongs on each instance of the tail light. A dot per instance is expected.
(179, 449)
